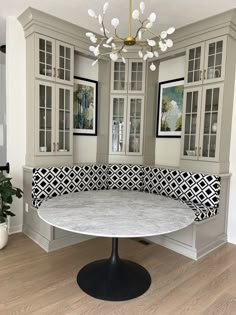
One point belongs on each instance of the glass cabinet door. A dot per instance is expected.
(136, 76)
(119, 76)
(45, 118)
(45, 57)
(215, 59)
(118, 119)
(64, 119)
(194, 65)
(192, 103)
(64, 63)
(211, 114)
(135, 125)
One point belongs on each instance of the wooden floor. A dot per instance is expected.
(35, 282)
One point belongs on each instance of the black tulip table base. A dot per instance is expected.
(114, 279)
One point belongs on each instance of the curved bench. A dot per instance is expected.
(199, 191)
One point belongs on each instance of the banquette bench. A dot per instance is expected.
(201, 192)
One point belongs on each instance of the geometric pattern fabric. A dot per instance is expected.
(54, 181)
(125, 177)
(199, 191)
(203, 189)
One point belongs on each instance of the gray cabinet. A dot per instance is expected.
(202, 122)
(205, 62)
(54, 60)
(53, 119)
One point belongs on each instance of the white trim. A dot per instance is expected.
(15, 229)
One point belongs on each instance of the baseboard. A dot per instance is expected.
(176, 246)
(189, 251)
(48, 245)
(15, 229)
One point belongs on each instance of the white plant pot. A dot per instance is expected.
(3, 234)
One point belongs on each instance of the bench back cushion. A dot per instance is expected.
(125, 177)
(188, 186)
(49, 182)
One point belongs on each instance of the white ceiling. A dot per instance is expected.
(175, 13)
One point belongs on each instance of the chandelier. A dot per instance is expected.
(115, 46)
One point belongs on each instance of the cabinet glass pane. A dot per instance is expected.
(45, 57)
(190, 123)
(45, 118)
(64, 120)
(64, 71)
(214, 62)
(119, 76)
(194, 65)
(136, 76)
(135, 125)
(210, 122)
(118, 125)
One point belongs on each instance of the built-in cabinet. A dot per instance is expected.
(205, 62)
(126, 124)
(53, 119)
(127, 108)
(203, 131)
(50, 101)
(54, 60)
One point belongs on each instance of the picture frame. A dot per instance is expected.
(170, 108)
(85, 99)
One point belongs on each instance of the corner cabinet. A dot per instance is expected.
(202, 122)
(205, 62)
(207, 117)
(127, 111)
(53, 119)
(50, 73)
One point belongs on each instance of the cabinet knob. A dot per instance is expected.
(200, 75)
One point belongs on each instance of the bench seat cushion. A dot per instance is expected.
(54, 181)
(125, 177)
(201, 191)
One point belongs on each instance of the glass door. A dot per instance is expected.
(211, 122)
(135, 125)
(64, 119)
(119, 77)
(194, 65)
(215, 60)
(64, 63)
(45, 58)
(192, 104)
(118, 120)
(136, 76)
(45, 118)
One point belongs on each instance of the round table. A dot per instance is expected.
(115, 214)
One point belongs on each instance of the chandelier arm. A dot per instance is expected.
(104, 30)
(118, 37)
(156, 35)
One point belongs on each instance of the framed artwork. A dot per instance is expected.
(85, 107)
(170, 108)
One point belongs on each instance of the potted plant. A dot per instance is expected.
(7, 191)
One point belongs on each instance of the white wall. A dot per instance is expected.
(232, 197)
(168, 149)
(16, 111)
(85, 147)
(2, 109)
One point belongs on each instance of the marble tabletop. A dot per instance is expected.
(116, 213)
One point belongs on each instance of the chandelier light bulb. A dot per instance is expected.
(152, 67)
(170, 30)
(115, 22)
(114, 45)
(92, 13)
(135, 14)
(142, 7)
(105, 7)
(152, 17)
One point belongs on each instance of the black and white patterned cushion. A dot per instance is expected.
(198, 188)
(125, 177)
(201, 212)
(54, 181)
